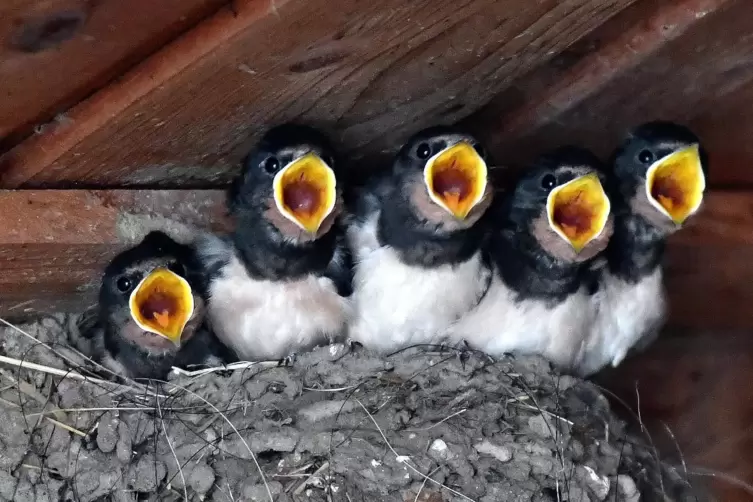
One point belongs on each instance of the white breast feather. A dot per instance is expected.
(500, 325)
(262, 319)
(626, 313)
(398, 305)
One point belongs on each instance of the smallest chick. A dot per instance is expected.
(151, 312)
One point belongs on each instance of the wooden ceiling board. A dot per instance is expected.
(54, 53)
(369, 72)
(689, 61)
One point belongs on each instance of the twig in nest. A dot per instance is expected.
(57, 353)
(545, 412)
(702, 471)
(86, 410)
(253, 457)
(310, 478)
(67, 427)
(172, 450)
(17, 363)
(242, 365)
(37, 342)
(636, 417)
(643, 429)
(424, 483)
(51, 420)
(405, 459)
(28, 390)
(679, 450)
(440, 422)
(335, 389)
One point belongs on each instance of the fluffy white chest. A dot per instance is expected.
(262, 319)
(398, 305)
(626, 313)
(500, 324)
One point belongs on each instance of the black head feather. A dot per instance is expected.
(424, 234)
(266, 249)
(637, 247)
(421, 146)
(644, 145)
(131, 265)
(553, 168)
(139, 353)
(531, 258)
(271, 153)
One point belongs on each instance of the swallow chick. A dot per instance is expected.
(659, 180)
(151, 311)
(280, 283)
(416, 238)
(544, 235)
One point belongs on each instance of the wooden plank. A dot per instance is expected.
(369, 72)
(54, 244)
(708, 267)
(696, 384)
(655, 60)
(53, 53)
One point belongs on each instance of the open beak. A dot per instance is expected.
(456, 179)
(675, 184)
(305, 191)
(578, 210)
(162, 304)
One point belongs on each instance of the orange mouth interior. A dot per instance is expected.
(578, 210)
(162, 304)
(676, 183)
(305, 192)
(456, 179)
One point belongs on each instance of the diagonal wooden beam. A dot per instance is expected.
(54, 53)
(91, 114)
(642, 30)
(369, 72)
(686, 60)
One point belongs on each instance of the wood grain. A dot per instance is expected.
(53, 53)
(686, 60)
(54, 244)
(369, 72)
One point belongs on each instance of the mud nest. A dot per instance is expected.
(337, 425)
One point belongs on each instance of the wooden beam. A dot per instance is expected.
(56, 52)
(369, 72)
(54, 242)
(685, 60)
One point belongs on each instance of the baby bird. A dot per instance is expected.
(416, 242)
(659, 179)
(151, 312)
(280, 283)
(556, 220)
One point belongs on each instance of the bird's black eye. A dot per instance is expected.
(548, 182)
(423, 151)
(124, 284)
(645, 157)
(177, 268)
(480, 150)
(271, 165)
